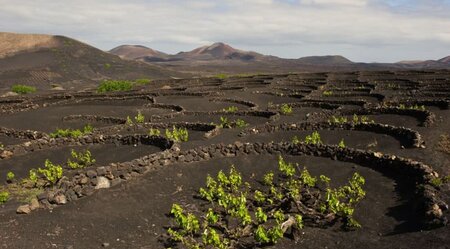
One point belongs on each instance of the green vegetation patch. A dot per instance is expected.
(237, 214)
(23, 89)
(143, 81)
(73, 133)
(115, 86)
(178, 134)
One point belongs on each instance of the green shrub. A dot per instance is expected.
(337, 120)
(23, 89)
(221, 76)
(341, 144)
(73, 133)
(412, 107)
(439, 181)
(327, 93)
(361, 119)
(107, 66)
(80, 159)
(225, 123)
(129, 121)
(33, 175)
(115, 86)
(154, 132)
(143, 81)
(51, 172)
(177, 135)
(262, 214)
(240, 123)
(139, 118)
(295, 140)
(10, 176)
(286, 109)
(4, 197)
(231, 109)
(314, 138)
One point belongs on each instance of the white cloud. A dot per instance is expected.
(360, 29)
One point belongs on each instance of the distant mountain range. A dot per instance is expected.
(221, 57)
(216, 51)
(45, 60)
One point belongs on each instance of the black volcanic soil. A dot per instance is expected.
(133, 214)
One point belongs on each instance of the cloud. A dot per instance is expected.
(385, 30)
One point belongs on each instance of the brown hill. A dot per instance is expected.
(218, 51)
(327, 59)
(43, 60)
(11, 43)
(445, 60)
(132, 52)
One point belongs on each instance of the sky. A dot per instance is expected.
(361, 30)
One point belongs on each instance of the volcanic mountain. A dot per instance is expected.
(132, 52)
(443, 63)
(45, 60)
(216, 52)
(445, 60)
(325, 60)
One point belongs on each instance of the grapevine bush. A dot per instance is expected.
(178, 134)
(236, 214)
(80, 160)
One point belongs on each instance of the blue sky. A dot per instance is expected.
(361, 30)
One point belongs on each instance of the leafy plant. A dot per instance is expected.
(33, 175)
(153, 132)
(221, 76)
(237, 214)
(327, 93)
(286, 109)
(114, 86)
(341, 201)
(139, 118)
(23, 89)
(80, 160)
(240, 123)
(439, 181)
(10, 176)
(337, 120)
(225, 123)
(129, 121)
(314, 138)
(143, 81)
(74, 133)
(4, 197)
(51, 172)
(341, 144)
(231, 109)
(361, 119)
(178, 134)
(107, 66)
(412, 107)
(295, 140)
